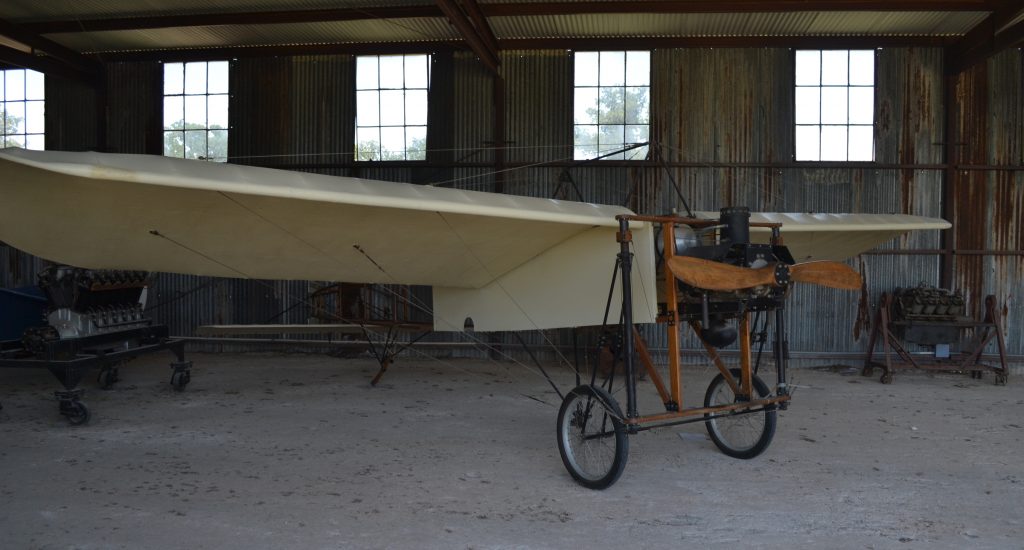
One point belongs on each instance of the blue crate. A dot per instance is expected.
(20, 308)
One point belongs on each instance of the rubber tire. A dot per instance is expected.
(767, 432)
(600, 398)
(77, 413)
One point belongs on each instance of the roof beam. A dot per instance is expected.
(989, 37)
(370, 48)
(500, 10)
(62, 54)
(488, 54)
(44, 64)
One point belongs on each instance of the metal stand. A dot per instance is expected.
(965, 361)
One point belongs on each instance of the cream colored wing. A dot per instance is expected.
(507, 262)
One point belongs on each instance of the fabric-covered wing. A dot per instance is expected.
(507, 262)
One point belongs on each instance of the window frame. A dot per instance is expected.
(379, 125)
(847, 86)
(165, 129)
(625, 124)
(25, 100)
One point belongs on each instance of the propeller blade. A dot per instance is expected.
(826, 273)
(700, 273)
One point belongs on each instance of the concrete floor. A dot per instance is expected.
(292, 451)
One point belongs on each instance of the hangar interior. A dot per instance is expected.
(945, 135)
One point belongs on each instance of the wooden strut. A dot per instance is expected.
(672, 394)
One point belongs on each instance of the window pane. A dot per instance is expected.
(392, 143)
(217, 148)
(833, 143)
(833, 106)
(368, 108)
(195, 111)
(174, 112)
(15, 85)
(174, 144)
(834, 68)
(416, 107)
(36, 142)
(195, 144)
(14, 141)
(611, 136)
(368, 144)
(392, 108)
(416, 142)
(638, 68)
(613, 69)
(35, 87)
(391, 71)
(808, 68)
(862, 67)
(2, 87)
(862, 145)
(195, 78)
(807, 140)
(640, 153)
(218, 75)
(366, 72)
(637, 106)
(583, 153)
(15, 123)
(612, 106)
(218, 111)
(585, 135)
(34, 117)
(862, 105)
(636, 133)
(808, 107)
(586, 68)
(416, 71)
(585, 106)
(174, 78)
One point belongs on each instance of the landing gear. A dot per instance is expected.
(108, 376)
(739, 433)
(182, 375)
(71, 408)
(591, 437)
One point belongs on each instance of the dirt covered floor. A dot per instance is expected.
(294, 451)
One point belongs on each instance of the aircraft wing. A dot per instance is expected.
(834, 236)
(506, 262)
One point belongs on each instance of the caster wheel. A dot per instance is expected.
(886, 378)
(1001, 379)
(76, 412)
(107, 378)
(180, 379)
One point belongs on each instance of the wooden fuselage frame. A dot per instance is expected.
(672, 393)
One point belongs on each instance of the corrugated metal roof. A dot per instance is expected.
(738, 24)
(18, 11)
(333, 32)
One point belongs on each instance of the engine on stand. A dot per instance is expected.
(94, 318)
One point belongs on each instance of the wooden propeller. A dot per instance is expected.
(711, 275)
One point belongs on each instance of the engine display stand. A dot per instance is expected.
(967, 360)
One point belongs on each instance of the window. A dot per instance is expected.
(196, 110)
(835, 105)
(22, 95)
(611, 104)
(391, 107)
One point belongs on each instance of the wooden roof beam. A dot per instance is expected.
(75, 62)
(1001, 30)
(488, 55)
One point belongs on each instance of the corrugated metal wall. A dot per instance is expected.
(723, 118)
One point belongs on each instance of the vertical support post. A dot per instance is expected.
(668, 232)
(949, 177)
(746, 384)
(626, 264)
(780, 353)
(499, 133)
